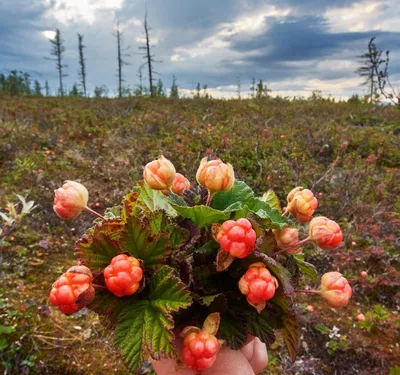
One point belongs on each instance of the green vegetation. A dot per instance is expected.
(347, 153)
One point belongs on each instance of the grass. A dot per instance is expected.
(348, 154)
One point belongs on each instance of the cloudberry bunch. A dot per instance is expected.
(200, 350)
(73, 290)
(237, 237)
(258, 285)
(123, 275)
(301, 203)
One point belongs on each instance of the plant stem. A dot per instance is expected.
(99, 287)
(209, 198)
(94, 213)
(293, 247)
(309, 291)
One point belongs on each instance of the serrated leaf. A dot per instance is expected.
(306, 268)
(130, 206)
(144, 327)
(6, 330)
(154, 200)
(232, 328)
(200, 215)
(258, 324)
(240, 192)
(100, 244)
(140, 243)
(291, 334)
(272, 199)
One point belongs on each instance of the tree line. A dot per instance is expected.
(374, 68)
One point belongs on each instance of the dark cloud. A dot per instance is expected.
(291, 46)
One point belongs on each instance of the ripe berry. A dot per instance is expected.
(257, 284)
(335, 289)
(237, 237)
(159, 174)
(199, 350)
(325, 233)
(215, 175)
(73, 290)
(70, 200)
(301, 204)
(361, 317)
(123, 275)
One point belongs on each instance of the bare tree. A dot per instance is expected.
(57, 50)
(122, 53)
(148, 56)
(238, 85)
(82, 64)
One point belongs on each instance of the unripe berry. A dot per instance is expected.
(363, 274)
(310, 308)
(335, 289)
(73, 290)
(287, 238)
(301, 203)
(258, 285)
(360, 317)
(237, 237)
(159, 174)
(70, 200)
(199, 350)
(123, 275)
(215, 175)
(325, 233)
(180, 184)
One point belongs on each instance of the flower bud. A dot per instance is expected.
(325, 233)
(335, 289)
(258, 285)
(215, 175)
(287, 238)
(73, 290)
(70, 200)
(301, 204)
(159, 174)
(180, 184)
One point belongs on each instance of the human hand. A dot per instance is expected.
(250, 360)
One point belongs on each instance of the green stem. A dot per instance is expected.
(209, 198)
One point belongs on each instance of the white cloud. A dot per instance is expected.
(49, 34)
(252, 24)
(365, 16)
(69, 11)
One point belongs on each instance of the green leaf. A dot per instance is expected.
(154, 200)
(200, 215)
(6, 330)
(232, 328)
(271, 217)
(102, 243)
(291, 334)
(139, 242)
(306, 268)
(272, 199)
(144, 328)
(259, 325)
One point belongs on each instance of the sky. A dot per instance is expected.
(294, 46)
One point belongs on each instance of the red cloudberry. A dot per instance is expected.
(199, 350)
(73, 290)
(123, 275)
(237, 237)
(258, 285)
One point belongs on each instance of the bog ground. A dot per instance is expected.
(347, 153)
